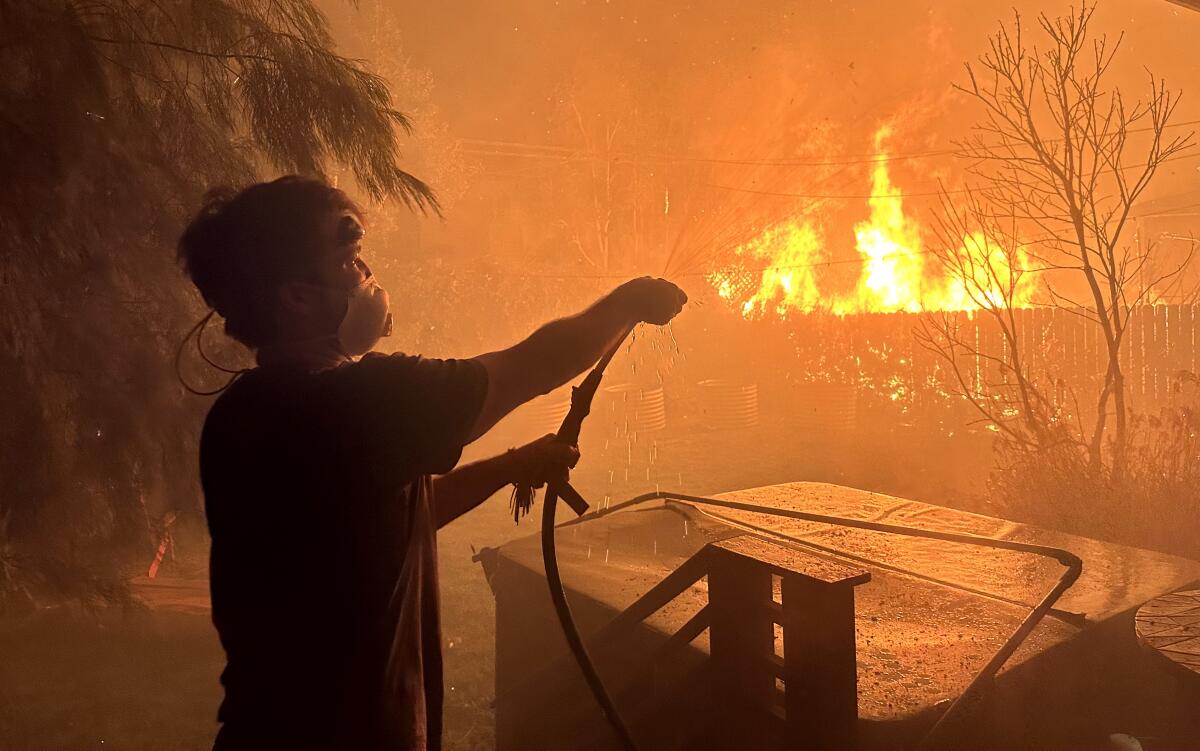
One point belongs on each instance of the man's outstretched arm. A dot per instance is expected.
(562, 349)
(457, 492)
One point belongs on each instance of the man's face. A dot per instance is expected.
(340, 266)
(317, 301)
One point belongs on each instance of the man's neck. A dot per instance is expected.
(321, 353)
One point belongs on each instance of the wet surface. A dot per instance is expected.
(932, 614)
(1115, 579)
(1170, 626)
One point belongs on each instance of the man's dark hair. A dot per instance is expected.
(242, 245)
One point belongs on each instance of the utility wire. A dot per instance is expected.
(565, 153)
(747, 270)
(859, 260)
(754, 270)
(918, 194)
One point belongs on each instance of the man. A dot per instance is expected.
(326, 476)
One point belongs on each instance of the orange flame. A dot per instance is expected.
(789, 282)
(893, 274)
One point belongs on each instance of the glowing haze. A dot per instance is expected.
(896, 272)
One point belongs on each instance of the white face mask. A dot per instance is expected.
(367, 319)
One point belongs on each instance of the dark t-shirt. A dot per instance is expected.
(324, 582)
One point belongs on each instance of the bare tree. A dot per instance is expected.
(983, 254)
(1059, 159)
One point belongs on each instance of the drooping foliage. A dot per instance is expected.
(115, 116)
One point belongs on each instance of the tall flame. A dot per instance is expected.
(890, 246)
(893, 274)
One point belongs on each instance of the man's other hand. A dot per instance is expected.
(547, 458)
(652, 300)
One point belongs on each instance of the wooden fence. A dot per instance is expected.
(1064, 352)
(825, 373)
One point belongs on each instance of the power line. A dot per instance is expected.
(895, 195)
(834, 197)
(757, 270)
(860, 259)
(565, 153)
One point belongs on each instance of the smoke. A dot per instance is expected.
(544, 93)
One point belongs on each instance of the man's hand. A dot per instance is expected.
(651, 300)
(534, 464)
(547, 458)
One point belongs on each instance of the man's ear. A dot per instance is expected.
(297, 298)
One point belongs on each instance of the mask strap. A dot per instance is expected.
(204, 355)
(198, 331)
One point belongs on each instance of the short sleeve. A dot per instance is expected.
(414, 410)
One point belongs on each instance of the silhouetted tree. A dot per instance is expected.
(115, 115)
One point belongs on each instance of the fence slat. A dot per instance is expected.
(993, 347)
(1158, 355)
(1048, 349)
(1174, 359)
(1126, 360)
(1087, 370)
(1137, 356)
(1071, 336)
(1056, 360)
(1187, 334)
(1021, 319)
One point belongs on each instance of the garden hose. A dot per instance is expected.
(581, 400)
